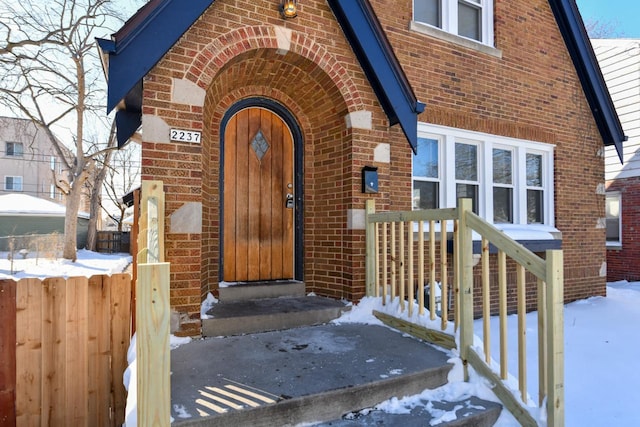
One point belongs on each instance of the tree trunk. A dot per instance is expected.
(96, 202)
(74, 197)
(71, 223)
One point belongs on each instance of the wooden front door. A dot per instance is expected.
(258, 197)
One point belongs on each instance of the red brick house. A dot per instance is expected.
(620, 63)
(260, 127)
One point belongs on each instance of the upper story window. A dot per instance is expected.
(613, 208)
(52, 161)
(509, 181)
(14, 149)
(472, 19)
(13, 183)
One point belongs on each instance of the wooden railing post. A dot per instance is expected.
(466, 283)
(555, 338)
(370, 258)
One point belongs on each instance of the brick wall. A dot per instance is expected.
(624, 263)
(233, 52)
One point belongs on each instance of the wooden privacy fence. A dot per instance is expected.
(395, 240)
(63, 346)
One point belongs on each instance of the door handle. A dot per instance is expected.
(289, 202)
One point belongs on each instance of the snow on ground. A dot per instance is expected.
(602, 344)
(88, 264)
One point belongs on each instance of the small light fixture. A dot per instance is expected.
(289, 8)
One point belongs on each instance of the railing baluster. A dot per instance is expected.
(542, 341)
(522, 330)
(444, 291)
(456, 275)
(377, 259)
(394, 260)
(385, 257)
(432, 270)
(502, 292)
(410, 283)
(402, 267)
(421, 267)
(486, 302)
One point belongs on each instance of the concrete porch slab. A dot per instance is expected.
(307, 374)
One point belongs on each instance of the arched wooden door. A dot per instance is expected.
(258, 242)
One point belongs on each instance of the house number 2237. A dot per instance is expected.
(185, 136)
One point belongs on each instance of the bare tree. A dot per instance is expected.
(51, 75)
(96, 183)
(121, 178)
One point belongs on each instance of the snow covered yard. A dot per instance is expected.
(88, 264)
(602, 343)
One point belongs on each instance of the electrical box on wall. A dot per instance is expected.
(369, 179)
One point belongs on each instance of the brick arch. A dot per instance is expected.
(229, 46)
(223, 101)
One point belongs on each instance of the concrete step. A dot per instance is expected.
(241, 291)
(269, 314)
(470, 412)
(306, 375)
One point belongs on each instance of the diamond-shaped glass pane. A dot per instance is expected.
(260, 145)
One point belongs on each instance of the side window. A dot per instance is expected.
(613, 209)
(502, 185)
(467, 177)
(535, 189)
(426, 175)
(472, 19)
(428, 12)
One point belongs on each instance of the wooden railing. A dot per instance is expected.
(395, 239)
(63, 350)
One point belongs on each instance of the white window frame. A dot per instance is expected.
(514, 180)
(6, 148)
(486, 143)
(618, 195)
(449, 19)
(438, 180)
(13, 183)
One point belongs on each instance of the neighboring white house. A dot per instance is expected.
(620, 63)
(28, 162)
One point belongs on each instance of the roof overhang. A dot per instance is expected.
(136, 48)
(586, 64)
(380, 64)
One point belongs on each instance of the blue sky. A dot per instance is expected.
(623, 14)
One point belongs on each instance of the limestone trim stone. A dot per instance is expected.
(359, 120)
(155, 129)
(187, 92)
(187, 219)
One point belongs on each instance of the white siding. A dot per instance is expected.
(620, 63)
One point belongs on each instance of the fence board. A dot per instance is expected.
(7, 353)
(29, 352)
(53, 352)
(120, 285)
(76, 369)
(154, 397)
(99, 350)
